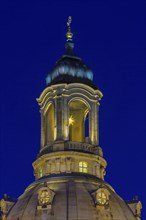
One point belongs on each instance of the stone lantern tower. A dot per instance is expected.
(70, 168)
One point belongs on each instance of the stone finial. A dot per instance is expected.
(69, 34)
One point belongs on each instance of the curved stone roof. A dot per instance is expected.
(73, 198)
(70, 68)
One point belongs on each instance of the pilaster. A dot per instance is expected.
(58, 118)
(93, 123)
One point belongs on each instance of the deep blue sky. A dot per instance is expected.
(110, 36)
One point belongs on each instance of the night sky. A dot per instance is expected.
(110, 36)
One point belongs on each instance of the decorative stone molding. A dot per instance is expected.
(5, 206)
(136, 207)
(45, 198)
(63, 98)
(68, 162)
(138, 210)
(101, 198)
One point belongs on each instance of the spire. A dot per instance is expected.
(69, 45)
(69, 34)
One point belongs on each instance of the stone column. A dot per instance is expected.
(68, 165)
(102, 170)
(97, 115)
(43, 134)
(52, 162)
(57, 165)
(65, 117)
(97, 170)
(48, 167)
(93, 123)
(58, 118)
(62, 165)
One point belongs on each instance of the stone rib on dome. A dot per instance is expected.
(70, 168)
(72, 200)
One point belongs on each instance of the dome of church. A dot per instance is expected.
(70, 198)
(70, 168)
(69, 68)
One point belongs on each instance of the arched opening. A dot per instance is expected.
(78, 110)
(86, 127)
(49, 125)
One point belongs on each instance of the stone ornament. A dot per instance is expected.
(102, 197)
(45, 198)
(4, 208)
(138, 210)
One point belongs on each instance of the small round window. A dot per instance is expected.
(101, 198)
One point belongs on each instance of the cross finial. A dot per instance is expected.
(69, 34)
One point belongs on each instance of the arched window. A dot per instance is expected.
(49, 122)
(78, 110)
(83, 167)
(86, 127)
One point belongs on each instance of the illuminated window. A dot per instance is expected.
(83, 167)
(101, 198)
(44, 197)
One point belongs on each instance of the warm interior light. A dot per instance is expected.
(71, 120)
(83, 167)
(101, 198)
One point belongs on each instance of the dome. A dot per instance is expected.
(70, 168)
(70, 68)
(73, 197)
